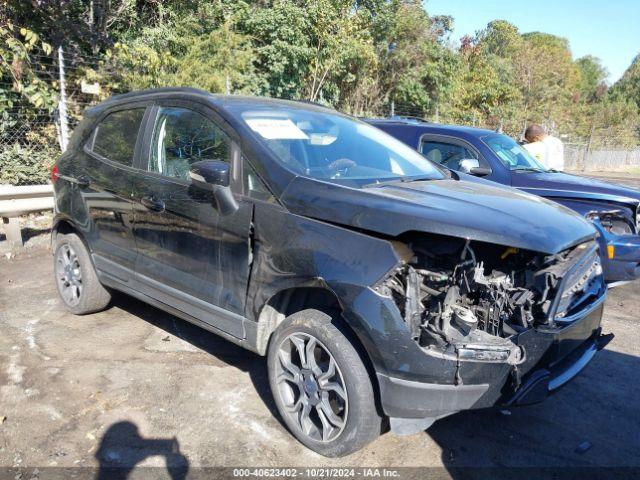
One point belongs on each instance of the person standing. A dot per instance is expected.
(547, 149)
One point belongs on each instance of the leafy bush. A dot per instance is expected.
(20, 165)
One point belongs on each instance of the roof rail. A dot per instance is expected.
(149, 91)
(408, 118)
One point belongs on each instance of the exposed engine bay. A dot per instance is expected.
(460, 293)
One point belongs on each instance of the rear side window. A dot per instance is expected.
(116, 135)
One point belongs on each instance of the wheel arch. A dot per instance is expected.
(291, 300)
(63, 226)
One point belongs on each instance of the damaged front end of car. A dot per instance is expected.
(498, 312)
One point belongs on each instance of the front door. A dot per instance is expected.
(190, 256)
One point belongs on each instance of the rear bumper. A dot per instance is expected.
(553, 358)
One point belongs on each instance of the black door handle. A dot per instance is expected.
(153, 203)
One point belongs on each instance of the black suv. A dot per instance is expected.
(379, 284)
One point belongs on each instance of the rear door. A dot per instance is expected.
(106, 187)
(190, 256)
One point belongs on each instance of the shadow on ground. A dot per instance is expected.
(122, 448)
(222, 349)
(28, 233)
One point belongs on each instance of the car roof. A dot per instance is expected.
(215, 99)
(432, 127)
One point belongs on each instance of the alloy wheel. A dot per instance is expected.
(69, 274)
(311, 387)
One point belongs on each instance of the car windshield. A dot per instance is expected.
(512, 154)
(333, 147)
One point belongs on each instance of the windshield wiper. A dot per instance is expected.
(403, 179)
(527, 169)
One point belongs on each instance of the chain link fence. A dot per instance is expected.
(31, 139)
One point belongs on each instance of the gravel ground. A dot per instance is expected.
(135, 386)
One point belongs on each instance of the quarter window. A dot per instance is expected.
(253, 185)
(115, 137)
(182, 137)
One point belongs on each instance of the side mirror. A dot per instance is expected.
(467, 164)
(472, 167)
(214, 176)
(480, 171)
(206, 174)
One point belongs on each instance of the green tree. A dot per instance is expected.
(548, 78)
(343, 54)
(500, 38)
(280, 37)
(416, 70)
(593, 74)
(20, 49)
(628, 87)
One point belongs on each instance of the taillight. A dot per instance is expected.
(54, 174)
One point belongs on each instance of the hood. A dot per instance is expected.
(573, 186)
(477, 211)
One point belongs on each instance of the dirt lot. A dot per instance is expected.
(630, 179)
(133, 385)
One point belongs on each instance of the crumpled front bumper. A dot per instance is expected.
(552, 359)
(545, 381)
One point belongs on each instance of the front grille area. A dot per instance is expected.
(582, 282)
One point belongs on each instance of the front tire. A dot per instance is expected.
(76, 278)
(321, 387)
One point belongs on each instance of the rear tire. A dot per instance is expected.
(76, 278)
(321, 387)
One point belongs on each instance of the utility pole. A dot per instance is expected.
(62, 104)
(587, 153)
(524, 131)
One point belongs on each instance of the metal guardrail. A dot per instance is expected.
(16, 201)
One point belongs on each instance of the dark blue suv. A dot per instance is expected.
(613, 209)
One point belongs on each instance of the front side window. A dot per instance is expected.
(330, 146)
(182, 137)
(116, 135)
(511, 154)
(446, 154)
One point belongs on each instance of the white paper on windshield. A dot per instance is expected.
(321, 139)
(276, 128)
